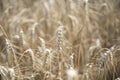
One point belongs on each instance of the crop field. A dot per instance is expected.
(59, 39)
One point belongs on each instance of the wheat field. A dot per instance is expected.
(59, 39)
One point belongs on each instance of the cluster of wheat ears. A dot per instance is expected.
(59, 39)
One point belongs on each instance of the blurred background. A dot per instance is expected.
(88, 41)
